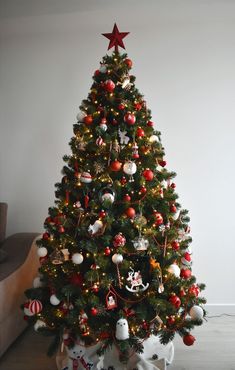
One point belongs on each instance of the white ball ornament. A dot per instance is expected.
(153, 139)
(130, 168)
(103, 68)
(54, 300)
(103, 127)
(42, 252)
(39, 324)
(117, 258)
(196, 313)
(77, 258)
(80, 116)
(37, 283)
(108, 197)
(174, 270)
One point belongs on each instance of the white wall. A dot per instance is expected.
(184, 58)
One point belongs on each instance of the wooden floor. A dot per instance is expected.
(213, 350)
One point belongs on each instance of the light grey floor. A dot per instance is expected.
(214, 349)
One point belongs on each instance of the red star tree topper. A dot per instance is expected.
(115, 38)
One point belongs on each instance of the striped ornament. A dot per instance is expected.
(35, 306)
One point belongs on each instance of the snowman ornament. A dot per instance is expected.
(122, 329)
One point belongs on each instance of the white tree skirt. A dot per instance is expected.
(155, 357)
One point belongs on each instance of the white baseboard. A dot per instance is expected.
(220, 308)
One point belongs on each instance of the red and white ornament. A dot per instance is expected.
(185, 273)
(99, 141)
(129, 118)
(130, 168)
(86, 177)
(186, 259)
(119, 240)
(27, 311)
(158, 218)
(109, 86)
(35, 306)
(117, 258)
(174, 270)
(135, 153)
(175, 301)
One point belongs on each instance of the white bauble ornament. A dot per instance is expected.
(108, 197)
(39, 324)
(103, 127)
(174, 270)
(93, 229)
(117, 258)
(37, 283)
(130, 168)
(54, 300)
(153, 139)
(196, 313)
(122, 329)
(27, 312)
(42, 252)
(86, 177)
(103, 68)
(77, 258)
(80, 116)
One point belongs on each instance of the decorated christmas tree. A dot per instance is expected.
(115, 255)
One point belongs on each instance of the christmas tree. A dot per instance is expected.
(115, 255)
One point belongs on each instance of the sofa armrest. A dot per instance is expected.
(3, 221)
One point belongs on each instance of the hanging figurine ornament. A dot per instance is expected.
(124, 139)
(156, 265)
(95, 228)
(130, 169)
(80, 143)
(122, 329)
(107, 195)
(115, 146)
(136, 282)
(111, 300)
(140, 243)
(125, 82)
(135, 153)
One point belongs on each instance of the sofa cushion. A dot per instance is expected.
(17, 248)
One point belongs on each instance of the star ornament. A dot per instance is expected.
(115, 38)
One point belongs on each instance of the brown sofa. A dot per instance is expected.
(18, 267)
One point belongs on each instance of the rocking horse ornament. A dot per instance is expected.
(136, 281)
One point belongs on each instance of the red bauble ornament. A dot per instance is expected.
(35, 306)
(127, 198)
(188, 257)
(95, 288)
(145, 325)
(175, 301)
(158, 218)
(123, 180)
(150, 123)
(137, 106)
(76, 279)
(140, 132)
(186, 273)
(188, 339)
(94, 311)
(46, 236)
(61, 229)
(102, 214)
(128, 62)
(143, 190)
(119, 240)
(116, 165)
(129, 118)
(97, 72)
(173, 208)
(88, 119)
(148, 174)
(175, 245)
(162, 163)
(171, 320)
(121, 106)
(182, 292)
(173, 185)
(194, 290)
(130, 212)
(109, 86)
(107, 251)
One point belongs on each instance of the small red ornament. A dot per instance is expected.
(188, 257)
(128, 62)
(145, 325)
(46, 236)
(119, 240)
(173, 208)
(109, 86)
(173, 185)
(129, 118)
(150, 123)
(182, 292)
(175, 301)
(175, 245)
(148, 174)
(127, 198)
(95, 288)
(188, 339)
(194, 290)
(107, 251)
(162, 163)
(143, 190)
(103, 121)
(111, 300)
(76, 279)
(171, 320)
(137, 106)
(61, 229)
(158, 218)
(97, 72)
(102, 214)
(121, 106)
(140, 132)
(186, 273)
(94, 311)
(123, 180)
(130, 212)
(116, 165)
(35, 306)
(88, 119)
